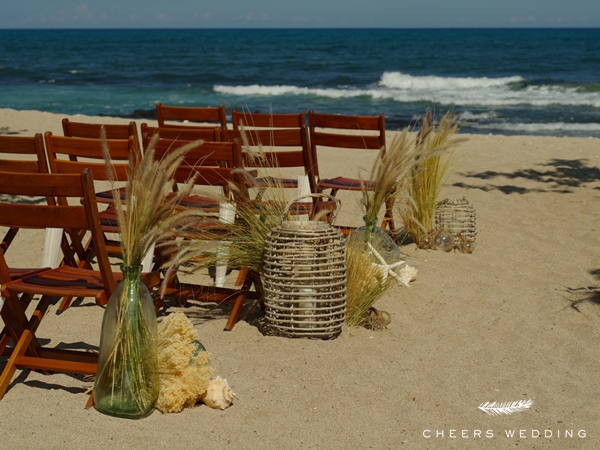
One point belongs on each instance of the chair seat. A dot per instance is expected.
(348, 184)
(108, 197)
(109, 221)
(80, 282)
(207, 204)
(17, 273)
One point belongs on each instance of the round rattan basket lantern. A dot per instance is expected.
(458, 216)
(304, 279)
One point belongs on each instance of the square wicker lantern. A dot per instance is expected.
(458, 217)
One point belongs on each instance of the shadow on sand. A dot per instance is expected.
(561, 176)
(589, 294)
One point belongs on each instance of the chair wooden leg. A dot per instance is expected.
(4, 335)
(241, 277)
(236, 311)
(16, 320)
(64, 305)
(4, 340)
(37, 316)
(10, 369)
(246, 280)
(90, 401)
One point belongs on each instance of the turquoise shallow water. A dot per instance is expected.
(543, 82)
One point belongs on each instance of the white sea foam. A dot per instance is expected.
(277, 90)
(550, 127)
(469, 116)
(398, 80)
(465, 92)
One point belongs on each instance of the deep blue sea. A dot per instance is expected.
(542, 82)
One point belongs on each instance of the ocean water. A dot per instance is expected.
(540, 82)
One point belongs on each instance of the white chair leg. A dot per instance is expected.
(52, 240)
(303, 189)
(227, 216)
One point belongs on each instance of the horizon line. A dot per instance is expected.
(293, 28)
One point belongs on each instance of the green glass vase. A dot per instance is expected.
(127, 381)
(379, 240)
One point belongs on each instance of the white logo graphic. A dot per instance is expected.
(497, 409)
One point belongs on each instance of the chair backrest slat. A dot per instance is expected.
(275, 159)
(346, 140)
(205, 176)
(347, 122)
(190, 116)
(212, 134)
(267, 120)
(24, 216)
(99, 172)
(276, 137)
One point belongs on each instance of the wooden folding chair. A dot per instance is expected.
(285, 144)
(272, 150)
(275, 149)
(191, 116)
(345, 132)
(80, 213)
(72, 155)
(213, 164)
(24, 155)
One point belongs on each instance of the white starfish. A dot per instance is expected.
(385, 268)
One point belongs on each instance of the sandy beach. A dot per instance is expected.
(495, 325)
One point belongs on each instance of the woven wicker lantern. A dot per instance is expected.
(458, 217)
(304, 279)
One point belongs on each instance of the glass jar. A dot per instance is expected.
(127, 381)
(379, 240)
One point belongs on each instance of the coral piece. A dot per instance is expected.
(218, 395)
(183, 364)
(376, 319)
(407, 274)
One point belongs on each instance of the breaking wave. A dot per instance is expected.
(460, 91)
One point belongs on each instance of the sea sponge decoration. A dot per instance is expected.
(183, 364)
